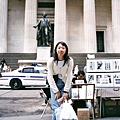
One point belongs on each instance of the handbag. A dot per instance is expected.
(55, 77)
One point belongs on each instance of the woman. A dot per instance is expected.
(80, 76)
(59, 75)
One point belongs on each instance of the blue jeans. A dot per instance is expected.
(54, 104)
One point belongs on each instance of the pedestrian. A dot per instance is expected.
(3, 65)
(60, 69)
(76, 70)
(8, 69)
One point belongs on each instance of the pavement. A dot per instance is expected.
(46, 116)
(30, 117)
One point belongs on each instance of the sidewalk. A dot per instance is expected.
(31, 117)
(25, 94)
(46, 117)
(32, 94)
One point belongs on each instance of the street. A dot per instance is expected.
(21, 102)
(25, 104)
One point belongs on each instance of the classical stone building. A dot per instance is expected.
(87, 26)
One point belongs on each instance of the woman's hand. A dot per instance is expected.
(65, 96)
(57, 95)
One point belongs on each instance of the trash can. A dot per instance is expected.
(110, 108)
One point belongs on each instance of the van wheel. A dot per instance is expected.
(16, 84)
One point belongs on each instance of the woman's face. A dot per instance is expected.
(61, 50)
(80, 77)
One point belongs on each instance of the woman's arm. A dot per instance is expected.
(69, 75)
(51, 81)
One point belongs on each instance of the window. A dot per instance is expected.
(100, 41)
(28, 70)
(46, 4)
(36, 71)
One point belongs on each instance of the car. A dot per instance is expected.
(25, 77)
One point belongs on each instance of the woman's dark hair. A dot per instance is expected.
(81, 72)
(66, 57)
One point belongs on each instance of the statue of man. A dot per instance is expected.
(44, 33)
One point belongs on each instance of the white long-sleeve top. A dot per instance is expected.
(65, 71)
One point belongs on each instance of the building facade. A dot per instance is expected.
(87, 26)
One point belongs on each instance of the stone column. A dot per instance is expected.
(116, 25)
(3, 25)
(89, 26)
(30, 42)
(60, 21)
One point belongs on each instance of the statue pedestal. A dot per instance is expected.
(43, 54)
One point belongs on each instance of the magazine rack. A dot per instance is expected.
(84, 92)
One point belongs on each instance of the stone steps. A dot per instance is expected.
(12, 58)
(79, 58)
